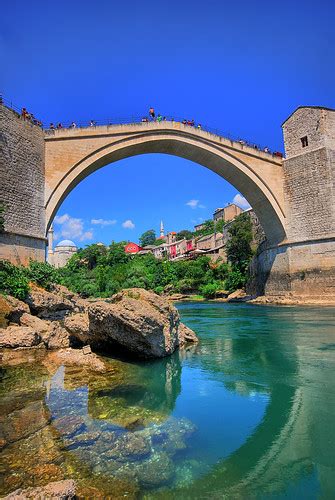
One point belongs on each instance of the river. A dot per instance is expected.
(247, 413)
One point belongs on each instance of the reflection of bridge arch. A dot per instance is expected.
(72, 155)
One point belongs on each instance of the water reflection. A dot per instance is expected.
(247, 413)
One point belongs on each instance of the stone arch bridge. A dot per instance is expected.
(294, 198)
(73, 154)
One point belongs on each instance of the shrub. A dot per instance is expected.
(43, 274)
(235, 280)
(13, 280)
(209, 291)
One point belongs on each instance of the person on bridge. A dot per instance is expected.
(93, 123)
(52, 126)
(159, 117)
(73, 125)
(59, 125)
(152, 113)
(145, 119)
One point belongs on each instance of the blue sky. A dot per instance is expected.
(241, 67)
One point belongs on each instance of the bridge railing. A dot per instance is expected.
(135, 120)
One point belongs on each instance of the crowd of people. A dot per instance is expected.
(26, 115)
(152, 117)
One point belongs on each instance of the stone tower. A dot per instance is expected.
(309, 185)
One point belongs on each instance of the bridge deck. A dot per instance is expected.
(129, 128)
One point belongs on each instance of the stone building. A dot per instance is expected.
(227, 213)
(62, 253)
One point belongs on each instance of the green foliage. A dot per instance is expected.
(185, 233)
(239, 250)
(147, 238)
(208, 228)
(13, 280)
(42, 273)
(158, 242)
(219, 225)
(2, 217)
(236, 279)
(210, 290)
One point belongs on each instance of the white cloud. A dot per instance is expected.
(103, 222)
(128, 224)
(241, 201)
(71, 228)
(194, 204)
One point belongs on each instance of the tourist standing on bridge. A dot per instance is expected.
(73, 125)
(152, 113)
(159, 117)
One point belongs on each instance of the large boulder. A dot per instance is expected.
(18, 336)
(78, 326)
(60, 490)
(11, 308)
(48, 305)
(52, 333)
(140, 322)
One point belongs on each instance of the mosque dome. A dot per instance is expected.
(66, 243)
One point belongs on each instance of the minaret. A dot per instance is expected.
(50, 244)
(162, 230)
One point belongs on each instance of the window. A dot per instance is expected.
(304, 141)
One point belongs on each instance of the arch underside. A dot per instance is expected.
(224, 163)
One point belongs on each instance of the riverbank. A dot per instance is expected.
(276, 300)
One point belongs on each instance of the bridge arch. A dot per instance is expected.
(73, 155)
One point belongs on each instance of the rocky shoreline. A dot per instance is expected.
(276, 300)
(135, 321)
(59, 332)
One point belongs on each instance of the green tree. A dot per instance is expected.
(239, 250)
(208, 228)
(116, 254)
(219, 226)
(185, 233)
(147, 238)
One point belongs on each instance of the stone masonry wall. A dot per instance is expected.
(309, 174)
(310, 194)
(21, 188)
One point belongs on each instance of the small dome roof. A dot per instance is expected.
(66, 243)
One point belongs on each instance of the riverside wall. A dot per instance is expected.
(21, 188)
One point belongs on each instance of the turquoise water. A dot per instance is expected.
(247, 413)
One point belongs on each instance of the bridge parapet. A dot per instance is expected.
(124, 128)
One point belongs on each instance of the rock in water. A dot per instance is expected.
(60, 490)
(139, 321)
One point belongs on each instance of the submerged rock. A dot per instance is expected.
(62, 490)
(128, 446)
(77, 357)
(156, 471)
(139, 321)
(69, 424)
